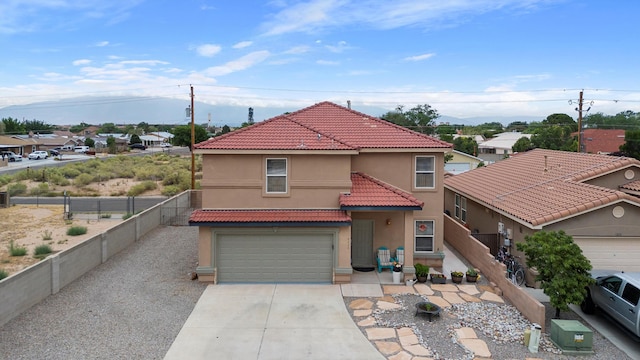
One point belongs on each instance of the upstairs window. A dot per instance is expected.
(276, 176)
(425, 172)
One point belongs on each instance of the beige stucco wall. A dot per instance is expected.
(238, 181)
(617, 178)
(602, 222)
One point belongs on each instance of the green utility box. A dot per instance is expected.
(571, 337)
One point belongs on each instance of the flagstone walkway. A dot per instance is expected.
(402, 343)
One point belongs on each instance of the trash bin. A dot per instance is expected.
(534, 339)
(397, 275)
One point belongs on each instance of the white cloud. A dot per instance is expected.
(340, 47)
(102, 44)
(208, 50)
(81, 62)
(419, 57)
(242, 44)
(297, 50)
(327, 62)
(242, 63)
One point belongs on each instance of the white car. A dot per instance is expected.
(165, 145)
(37, 155)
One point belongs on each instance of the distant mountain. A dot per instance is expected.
(158, 110)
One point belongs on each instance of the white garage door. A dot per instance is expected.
(611, 253)
(280, 258)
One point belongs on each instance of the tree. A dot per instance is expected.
(109, 128)
(135, 139)
(420, 118)
(555, 133)
(466, 145)
(631, 146)
(563, 271)
(13, 126)
(111, 145)
(38, 126)
(523, 144)
(182, 135)
(76, 129)
(89, 142)
(519, 126)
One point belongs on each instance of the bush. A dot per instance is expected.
(46, 235)
(141, 188)
(126, 216)
(83, 180)
(3, 274)
(76, 230)
(17, 250)
(70, 172)
(42, 250)
(41, 190)
(171, 190)
(17, 189)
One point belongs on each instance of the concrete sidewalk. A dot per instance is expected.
(271, 321)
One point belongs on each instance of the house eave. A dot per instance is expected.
(271, 224)
(380, 208)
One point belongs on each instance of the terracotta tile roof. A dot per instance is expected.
(323, 126)
(367, 191)
(540, 186)
(633, 186)
(268, 216)
(602, 140)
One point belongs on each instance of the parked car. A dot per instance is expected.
(81, 149)
(54, 152)
(137, 146)
(37, 155)
(618, 295)
(11, 156)
(165, 145)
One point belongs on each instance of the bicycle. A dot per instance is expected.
(515, 271)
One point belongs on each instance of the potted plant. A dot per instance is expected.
(472, 275)
(397, 272)
(422, 272)
(438, 278)
(456, 276)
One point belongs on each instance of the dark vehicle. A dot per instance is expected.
(138, 146)
(618, 295)
(54, 152)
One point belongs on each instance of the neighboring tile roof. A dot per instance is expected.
(268, 216)
(323, 126)
(633, 186)
(540, 186)
(370, 192)
(602, 140)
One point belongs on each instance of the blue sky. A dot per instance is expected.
(466, 58)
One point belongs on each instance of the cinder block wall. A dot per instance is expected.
(480, 257)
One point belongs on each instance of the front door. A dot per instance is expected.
(362, 244)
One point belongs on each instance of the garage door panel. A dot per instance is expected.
(611, 253)
(275, 258)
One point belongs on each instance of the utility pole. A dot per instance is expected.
(579, 110)
(193, 142)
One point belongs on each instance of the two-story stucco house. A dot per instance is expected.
(590, 197)
(306, 196)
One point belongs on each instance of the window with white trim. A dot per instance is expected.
(424, 236)
(276, 176)
(461, 208)
(425, 172)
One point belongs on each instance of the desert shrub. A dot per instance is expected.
(41, 190)
(15, 250)
(23, 175)
(5, 179)
(105, 216)
(70, 172)
(176, 178)
(141, 188)
(83, 180)
(46, 235)
(17, 189)
(3, 274)
(42, 250)
(171, 190)
(76, 230)
(126, 216)
(58, 179)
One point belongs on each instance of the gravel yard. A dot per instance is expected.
(131, 307)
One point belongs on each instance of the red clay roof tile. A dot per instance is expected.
(540, 186)
(323, 126)
(367, 191)
(268, 216)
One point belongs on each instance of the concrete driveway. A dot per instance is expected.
(271, 321)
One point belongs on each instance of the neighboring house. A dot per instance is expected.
(602, 141)
(461, 162)
(588, 196)
(156, 138)
(500, 146)
(309, 195)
